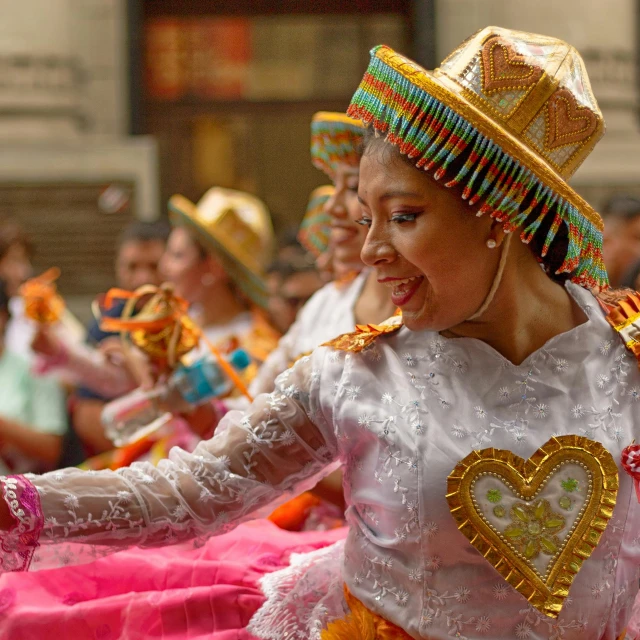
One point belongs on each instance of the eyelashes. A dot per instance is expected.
(399, 218)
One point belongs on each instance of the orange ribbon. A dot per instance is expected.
(42, 303)
(161, 328)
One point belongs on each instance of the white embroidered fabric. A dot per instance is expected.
(400, 415)
(303, 598)
(256, 458)
(328, 314)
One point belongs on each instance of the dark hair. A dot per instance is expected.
(11, 233)
(4, 299)
(292, 256)
(623, 206)
(630, 277)
(558, 248)
(140, 231)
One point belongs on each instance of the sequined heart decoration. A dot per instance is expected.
(567, 122)
(503, 69)
(537, 520)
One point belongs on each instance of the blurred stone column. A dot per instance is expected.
(40, 75)
(64, 106)
(605, 34)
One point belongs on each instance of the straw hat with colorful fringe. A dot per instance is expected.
(315, 227)
(237, 227)
(508, 117)
(335, 139)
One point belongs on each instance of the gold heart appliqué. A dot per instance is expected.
(537, 520)
(567, 122)
(503, 69)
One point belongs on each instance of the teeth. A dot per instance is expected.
(398, 283)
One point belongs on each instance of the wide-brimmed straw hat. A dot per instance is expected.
(237, 227)
(335, 139)
(508, 117)
(315, 227)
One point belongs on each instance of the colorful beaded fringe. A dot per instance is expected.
(335, 138)
(426, 129)
(315, 227)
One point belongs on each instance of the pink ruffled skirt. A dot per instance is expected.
(172, 593)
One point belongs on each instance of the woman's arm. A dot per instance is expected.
(45, 447)
(91, 367)
(279, 447)
(38, 431)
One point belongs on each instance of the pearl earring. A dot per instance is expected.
(491, 243)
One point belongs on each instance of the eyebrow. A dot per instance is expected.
(388, 195)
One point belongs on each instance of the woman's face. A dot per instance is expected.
(15, 267)
(346, 236)
(425, 243)
(183, 265)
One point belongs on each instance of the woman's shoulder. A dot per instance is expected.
(365, 335)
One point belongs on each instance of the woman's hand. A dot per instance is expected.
(45, 343)
(136, 362)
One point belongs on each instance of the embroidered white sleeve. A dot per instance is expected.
(280, 445)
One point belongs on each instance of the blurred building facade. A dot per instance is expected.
(69, 172)
(108, 107)
(228, 88)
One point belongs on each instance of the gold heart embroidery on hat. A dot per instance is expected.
(537, 520)
(567, 122)
(503, 69)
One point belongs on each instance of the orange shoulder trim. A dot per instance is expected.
(365, 335)
(623, 314)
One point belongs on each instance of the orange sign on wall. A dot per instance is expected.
(208, 57)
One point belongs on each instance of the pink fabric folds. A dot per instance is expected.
(173, 593)
(21, 541)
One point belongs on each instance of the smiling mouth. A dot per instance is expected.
(402, 290)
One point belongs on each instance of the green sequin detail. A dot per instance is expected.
(494, 495)
(569, 485)
(565, 503)
(533, 529)
(499, 511)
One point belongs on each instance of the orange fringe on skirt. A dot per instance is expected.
(362, 624)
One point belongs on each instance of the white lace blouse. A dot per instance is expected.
(328, 314)
(400, 415)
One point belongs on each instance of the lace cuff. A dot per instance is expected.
(303, 598)
(21, 541)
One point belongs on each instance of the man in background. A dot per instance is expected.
(140, 248)
(621, 242)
